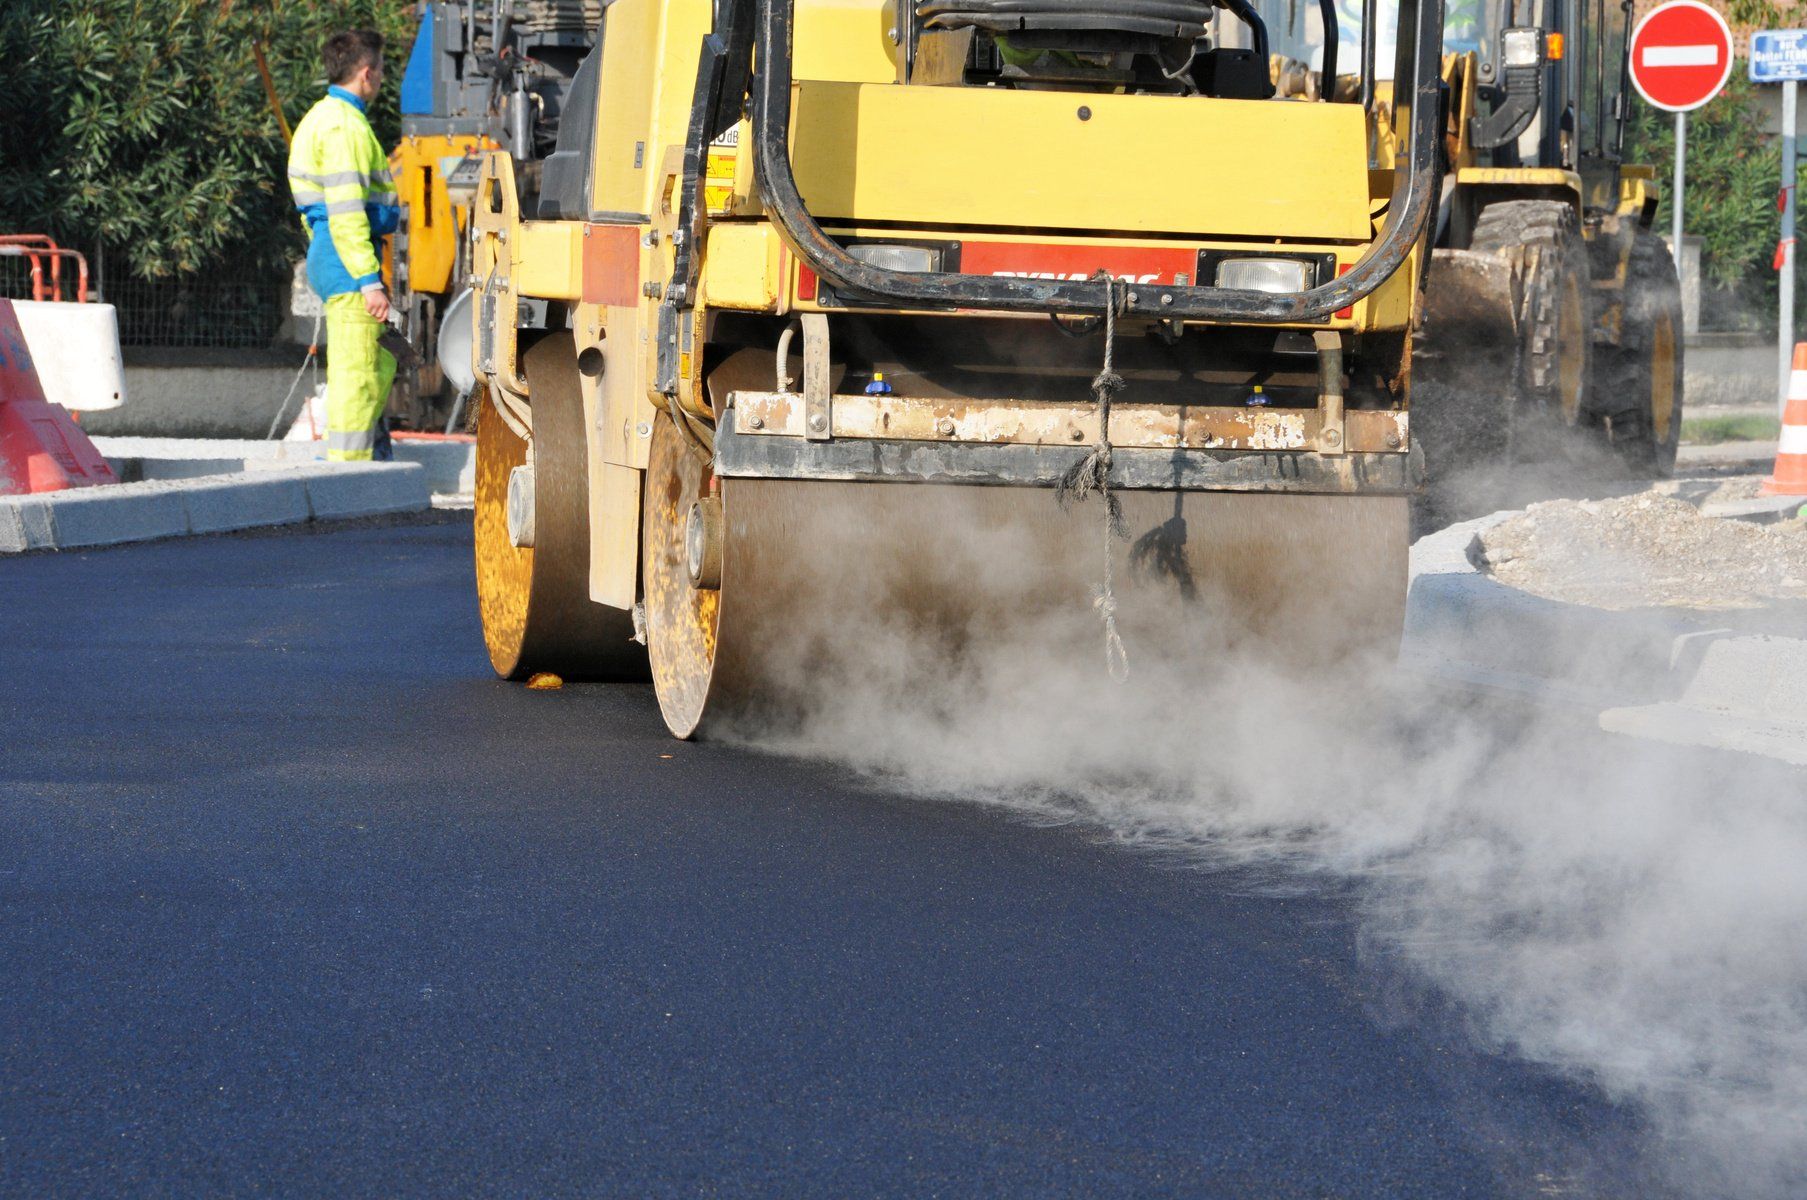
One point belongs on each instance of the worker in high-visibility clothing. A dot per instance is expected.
(340, 179)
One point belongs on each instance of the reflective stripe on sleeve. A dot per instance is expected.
(361, 179)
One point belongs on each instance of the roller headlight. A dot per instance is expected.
(1281, 275)
(897, 258)
(1521, 47)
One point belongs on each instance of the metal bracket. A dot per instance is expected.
(818, 412)
(1330, 391)
(1514, 111)
(665, 350)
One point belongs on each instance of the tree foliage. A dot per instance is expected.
(1734, 173)
(1757, 14)
(144, 124)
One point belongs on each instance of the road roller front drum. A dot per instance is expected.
(533, 536)
(764, 594)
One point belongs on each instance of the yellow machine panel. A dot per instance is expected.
(631, 71)
(1553, 179)
(433, 228)
(742, 268)
(849, 41)
(957, 156)
(548, 260)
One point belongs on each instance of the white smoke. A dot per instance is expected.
(1628, 915)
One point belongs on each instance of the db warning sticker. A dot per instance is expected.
(718, 172)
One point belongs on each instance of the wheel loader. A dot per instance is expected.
(851, 301)
(1553, 322)
(481, 75)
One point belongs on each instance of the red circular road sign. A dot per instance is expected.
(1681, 55)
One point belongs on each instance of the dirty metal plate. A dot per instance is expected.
(1036, 423)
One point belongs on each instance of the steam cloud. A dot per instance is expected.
(1630, 916)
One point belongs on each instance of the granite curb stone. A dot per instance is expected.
(158, 508)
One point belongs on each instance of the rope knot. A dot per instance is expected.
(1091, 476)
(1106, 385)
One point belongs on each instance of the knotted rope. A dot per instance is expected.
(1091, 475)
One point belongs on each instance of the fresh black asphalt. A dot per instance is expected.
(297, 900)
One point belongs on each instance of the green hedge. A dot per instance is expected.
(1734, 173)
(144, 125)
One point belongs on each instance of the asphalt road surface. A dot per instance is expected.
(296, 899)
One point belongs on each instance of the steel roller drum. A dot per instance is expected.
(535, 600)
(813, 570)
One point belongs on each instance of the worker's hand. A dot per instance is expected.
(376, 303)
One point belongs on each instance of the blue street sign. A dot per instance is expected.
(1778, 55)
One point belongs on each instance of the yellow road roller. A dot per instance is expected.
(941, 315)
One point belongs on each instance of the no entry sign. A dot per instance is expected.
(1681, 55)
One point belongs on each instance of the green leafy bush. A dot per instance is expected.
(1734, 173)
(144, 125)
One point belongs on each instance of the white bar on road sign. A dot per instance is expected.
(1681, 56)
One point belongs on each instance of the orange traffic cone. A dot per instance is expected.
(1790, 475)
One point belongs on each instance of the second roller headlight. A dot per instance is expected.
(1281, 275)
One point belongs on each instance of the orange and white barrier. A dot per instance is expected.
(1790, 475)
(41, 449)
(76, 350)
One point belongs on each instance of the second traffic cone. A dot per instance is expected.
(1790, 475)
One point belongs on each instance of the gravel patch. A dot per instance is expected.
(1647, 550)
(1724, 489)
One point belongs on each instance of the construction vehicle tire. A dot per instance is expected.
(1643, 373)
(1461, 354)
(535, 598)
(1555, 327)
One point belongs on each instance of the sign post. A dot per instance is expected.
(1780, 56)
(1681, 180)
(1681, 55)
(1785, 254)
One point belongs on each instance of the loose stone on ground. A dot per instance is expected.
(1648, 550)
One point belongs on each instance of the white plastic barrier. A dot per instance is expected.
(75, 348)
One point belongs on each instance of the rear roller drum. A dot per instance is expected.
(533, 537)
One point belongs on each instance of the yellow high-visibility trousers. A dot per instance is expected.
(358, 375)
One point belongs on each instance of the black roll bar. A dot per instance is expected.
(1414, 193)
